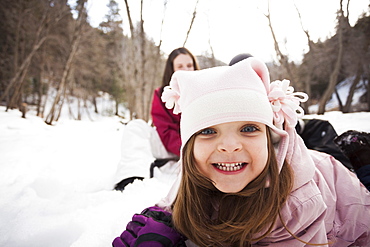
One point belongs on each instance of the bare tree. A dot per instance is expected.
(347, 107)
(113, 59)
(342, 24)
(157, 57)
(129, 68)
(283, 59)
(141, 107)
(129, 19)
(13, 90)
(57, 105)
(140, 66)
(134, 70)
(308, 77)
(356, 57)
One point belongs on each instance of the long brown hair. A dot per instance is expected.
(209, 217)
(169, 70)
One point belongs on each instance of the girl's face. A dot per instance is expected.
(231, 154)
(183, 62)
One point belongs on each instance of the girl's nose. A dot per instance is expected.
(229, 144)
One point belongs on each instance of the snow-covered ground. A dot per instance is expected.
(56, 181)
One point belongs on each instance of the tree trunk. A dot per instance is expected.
(142, 109)
(138, 84)
(131, 99)
(16, 46)
(43, 102)
(332, 82)
(17, 90)
(87, 110)
(39, 89)
(58, 100)
(347, 106)
(78, 109)
(368, 94)
(16, 81)
(157, 61)
(116, 107)
(71, 111)
(61, 102)
(22, 69)
(129, 19)
(95, 105)
(339, 99)
(334, 75)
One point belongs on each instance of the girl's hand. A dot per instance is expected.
(153, 227)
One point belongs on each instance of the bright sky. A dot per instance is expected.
(234, 26)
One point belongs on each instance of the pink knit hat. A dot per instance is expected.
(241, 92)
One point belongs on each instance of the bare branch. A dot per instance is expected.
(213, 58)
(304, 30)
(129, 19)
(283, 59)
(161, 31)
(191, 23)
(308, 77)
(279, 54)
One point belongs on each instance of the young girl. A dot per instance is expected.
(247, 178)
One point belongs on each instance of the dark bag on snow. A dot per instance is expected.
(319, 135)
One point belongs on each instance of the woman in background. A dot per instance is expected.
(167, 123)
(154, 147)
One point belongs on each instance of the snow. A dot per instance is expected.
(56, 182)
(343, 89)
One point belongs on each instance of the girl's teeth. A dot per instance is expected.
(229, 167)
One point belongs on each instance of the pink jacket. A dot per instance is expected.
(333, 207)
(166, 123)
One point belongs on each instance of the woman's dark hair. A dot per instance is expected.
(169, 70)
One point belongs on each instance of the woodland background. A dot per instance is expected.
(50, 53)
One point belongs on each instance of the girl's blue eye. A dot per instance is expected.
(207, 132)
(249, 128)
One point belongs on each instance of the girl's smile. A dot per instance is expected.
(231, 154)
(230, 168)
